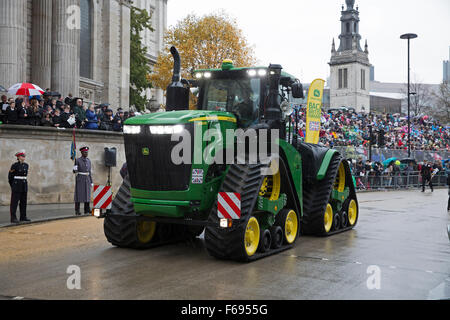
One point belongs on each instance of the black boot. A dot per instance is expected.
(87, 208)
(25, 219)
(77, 209)
(14, 220)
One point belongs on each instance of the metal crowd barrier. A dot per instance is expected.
(402, 180)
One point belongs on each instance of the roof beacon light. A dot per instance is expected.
(227, 64)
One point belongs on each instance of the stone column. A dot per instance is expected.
(13, 40)
(65, 46)
(41, 50)
(124, 99)
(112, 51)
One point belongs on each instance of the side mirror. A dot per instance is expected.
(297, 90)
(194, 83)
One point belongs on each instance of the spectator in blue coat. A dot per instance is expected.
(91, 121)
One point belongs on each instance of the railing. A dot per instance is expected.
(402, 180)
(384, 154)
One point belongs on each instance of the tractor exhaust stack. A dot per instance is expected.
(178, 90)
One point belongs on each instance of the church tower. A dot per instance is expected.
(350, 67)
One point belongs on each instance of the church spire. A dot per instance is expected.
(333, 47)
(366, 48)
(350, 4)
(350, 37)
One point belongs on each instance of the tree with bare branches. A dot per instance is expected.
(421, 97)
(442, 97)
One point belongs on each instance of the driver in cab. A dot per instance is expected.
(246, 111)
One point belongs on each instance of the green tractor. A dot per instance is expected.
(247, 209)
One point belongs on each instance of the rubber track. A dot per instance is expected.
(229, 243)
(316, 196)
(122, 231)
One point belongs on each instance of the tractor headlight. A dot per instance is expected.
(207, 75)
(199, 75)
(131, 129)
(252, 73)
(166, 129)
(262, 72)
(97, 213)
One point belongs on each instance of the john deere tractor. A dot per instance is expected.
(247, 209)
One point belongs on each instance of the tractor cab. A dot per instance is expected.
(245, 92)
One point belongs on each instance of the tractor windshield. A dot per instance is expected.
(239, 96)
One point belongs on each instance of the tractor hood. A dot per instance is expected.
(180, 117)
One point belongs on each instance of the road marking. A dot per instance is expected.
(18, 298)
(428, 271)
(393, 267)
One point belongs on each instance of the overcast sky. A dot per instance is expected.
(298, 33)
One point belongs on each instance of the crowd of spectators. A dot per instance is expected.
(51, 110)
(338, 127)
(395, 174)
(348, 128)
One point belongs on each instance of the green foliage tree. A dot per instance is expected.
(203, 42)
(139, 63)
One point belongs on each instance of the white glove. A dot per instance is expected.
(75, 168)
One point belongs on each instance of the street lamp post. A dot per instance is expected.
(409, 36)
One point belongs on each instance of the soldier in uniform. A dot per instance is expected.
(83, 182)
(17, 178)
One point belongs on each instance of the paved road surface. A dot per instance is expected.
(39, 212)
(402, 233)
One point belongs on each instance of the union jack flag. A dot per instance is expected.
(314, 126)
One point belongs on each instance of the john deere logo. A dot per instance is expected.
(145, 151)
(317, 93)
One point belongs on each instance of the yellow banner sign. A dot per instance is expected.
(314, 111)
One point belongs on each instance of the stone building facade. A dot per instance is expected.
(350, 67)
(154, 41)
(50, 177)
(74, 46)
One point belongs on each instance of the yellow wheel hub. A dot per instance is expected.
(252, 234)
(291, 227)
(352, 212)
(339, 184)
(271, 187)
(328, 218)
(264, 187)
(146, 231)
